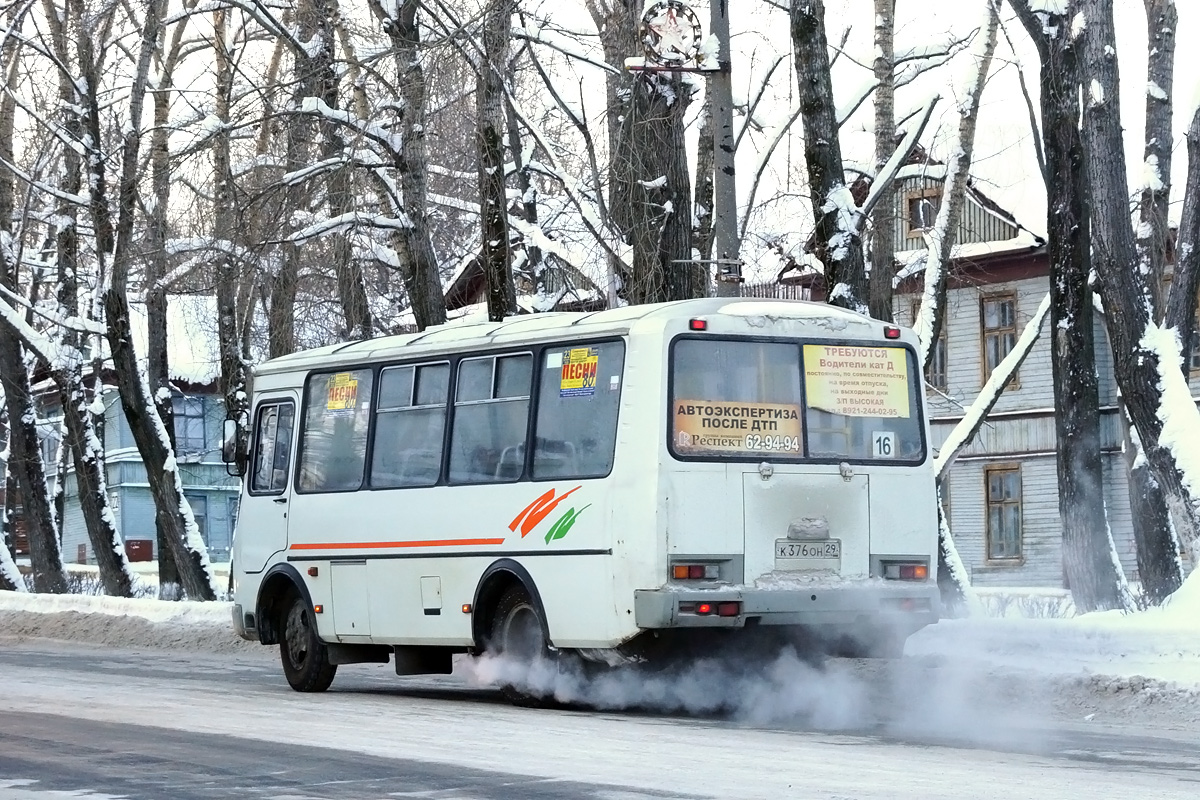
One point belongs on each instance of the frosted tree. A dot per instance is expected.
(1147, 357)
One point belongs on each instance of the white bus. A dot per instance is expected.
(613, 483)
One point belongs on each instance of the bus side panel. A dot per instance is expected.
(704, 516)
(904, 514)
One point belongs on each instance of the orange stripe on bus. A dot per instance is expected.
(382, 545)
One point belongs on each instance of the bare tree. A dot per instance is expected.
(419, 264)
(1146, 357)
(114, 243)
(24, 452)
(838, 240)
(11, 579)
(495, 251)
(883, 231)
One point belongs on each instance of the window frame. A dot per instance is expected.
(534, 352)
(984, 372)
(1193, 354)
(988, 471)
(943, 341)
(447, 406)
(182, 400)
(289, 473)
(799, 343)
(910, 231)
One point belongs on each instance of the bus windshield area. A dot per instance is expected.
(747, 399)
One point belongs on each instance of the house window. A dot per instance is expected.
(1194, 355)
(189, 424)
(922, 211)
(998, 315)
(1003, 513)
(935, 373)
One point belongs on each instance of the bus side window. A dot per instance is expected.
(272, 448)
(333, 451)
(575, 433)
(491, 419)
(409, 424)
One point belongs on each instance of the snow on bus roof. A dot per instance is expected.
(482, 332)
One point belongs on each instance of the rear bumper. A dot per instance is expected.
(907, 605)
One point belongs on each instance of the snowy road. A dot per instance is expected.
(118, 723)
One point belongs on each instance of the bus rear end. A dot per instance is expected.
(797, 489)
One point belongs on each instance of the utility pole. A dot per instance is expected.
(725, 229)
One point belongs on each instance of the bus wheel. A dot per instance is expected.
(305, 659)
(517, 633)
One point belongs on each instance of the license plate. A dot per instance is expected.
(822, 549)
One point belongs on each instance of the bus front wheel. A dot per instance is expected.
(305, 658)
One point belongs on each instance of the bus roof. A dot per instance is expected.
(550, 325)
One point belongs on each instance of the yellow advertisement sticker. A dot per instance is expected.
(342, 392)
(857, 381)
(578, 377)
(705, 426)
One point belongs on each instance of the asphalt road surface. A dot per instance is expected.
(89, 722)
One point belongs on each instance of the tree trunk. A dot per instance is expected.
(234, 372)
(838, 243)
(1159, 567)
(705, 164)
(88, 458)
(24, 450)
(171, 508)
(660, 191)
(115, 239)
(883, 218)
(1153, 230)
(617, 23)
(422, 282)
(352, 291)
(495, 252)
(1181, 302)
(11, 579)
(1128, 296)
(1092, 570)
(534, 265)
(158, 367)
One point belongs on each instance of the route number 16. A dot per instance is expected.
(883, 443)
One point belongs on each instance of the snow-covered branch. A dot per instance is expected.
(990, 393)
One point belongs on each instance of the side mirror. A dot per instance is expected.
(231, 454)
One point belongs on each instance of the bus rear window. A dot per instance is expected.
(750, 399)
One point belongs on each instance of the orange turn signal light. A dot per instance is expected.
(318, 608)
(466, 608)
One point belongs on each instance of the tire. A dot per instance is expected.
(304, 656)
(518, 632)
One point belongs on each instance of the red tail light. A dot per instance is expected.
(704, 608)
(729, 609)
(891, 333)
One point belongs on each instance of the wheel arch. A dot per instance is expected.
(495, 581)
(279, 581)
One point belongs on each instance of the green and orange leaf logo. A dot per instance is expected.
(539, 509)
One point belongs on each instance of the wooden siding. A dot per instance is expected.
(977, 223)
(1040, 521)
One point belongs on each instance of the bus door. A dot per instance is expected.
(263, 518)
